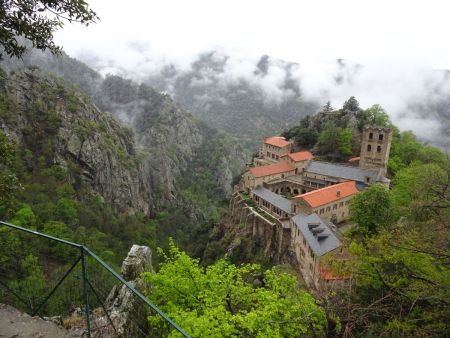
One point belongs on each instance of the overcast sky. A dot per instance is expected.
(399, 42)
(358, 30)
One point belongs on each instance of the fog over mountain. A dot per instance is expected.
(252, 97)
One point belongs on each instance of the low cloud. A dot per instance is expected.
(402, 88)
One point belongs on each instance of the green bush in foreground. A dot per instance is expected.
(223, 300)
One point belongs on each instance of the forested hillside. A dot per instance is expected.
(127, 184)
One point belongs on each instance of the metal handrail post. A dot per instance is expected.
(85, 292)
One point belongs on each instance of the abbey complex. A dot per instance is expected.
(304, 201)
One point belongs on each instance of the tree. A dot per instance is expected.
(306, 137)
(37, 21)
(374, 116)
(351, 104)
(25, 217)
(33, 286)
(401, 273)
(329, 139)
(9, 183)
(223, 300)
(345, 144)
(371, 209)
(327, 107)
(421, 191)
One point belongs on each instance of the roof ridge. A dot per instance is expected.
(325, 188)
(342, 165)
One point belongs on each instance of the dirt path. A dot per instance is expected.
(15, 324)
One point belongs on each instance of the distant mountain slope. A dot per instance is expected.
(236, 104)
(252, 99)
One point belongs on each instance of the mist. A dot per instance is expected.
(415, 96)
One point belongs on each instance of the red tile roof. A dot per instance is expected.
(300, 156)
(276, 141)
(329, 194)
(354, 159)
(271, 169)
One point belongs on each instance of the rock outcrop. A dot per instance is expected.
(129, 313)
(246, 235)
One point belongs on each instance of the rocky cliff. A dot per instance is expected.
(60, 126)
(168, 139)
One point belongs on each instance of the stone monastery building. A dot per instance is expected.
(307, 198)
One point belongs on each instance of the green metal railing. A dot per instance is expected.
(92, 276)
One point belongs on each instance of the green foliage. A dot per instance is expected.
(371, 209)
(25, 217)
(228, 301)
(406, 149)
(66, 211)
(37, 21)
(415, 187)
(33, 286)
(351, 104)
(329, 139)
(401, 272)
(9, 183)
(405, 282)
(345, 144)
(373, 116)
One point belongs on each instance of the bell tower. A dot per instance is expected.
(375, 147)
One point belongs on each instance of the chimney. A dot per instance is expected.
(317, 231)
(322, 236)
(313, 225)
(338, 193)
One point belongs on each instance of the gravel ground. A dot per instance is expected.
(15, 324)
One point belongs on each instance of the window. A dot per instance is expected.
(328, 209)
(367, 179)
(379, 149)
(369, 148)
(304, 242)
(370, 136)
(334, 206)
(310, 267)
(303, 253)
(341, 204)
(268, 154)
(380, 137)
(321, 211)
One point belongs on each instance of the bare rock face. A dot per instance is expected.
(127, 311)
(14, 323)
(53, 118)
(138, 260)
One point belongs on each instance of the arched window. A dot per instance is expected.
(370, 136)
(378, 149)
(369, 147)
(380, 137)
